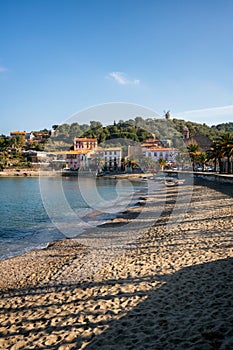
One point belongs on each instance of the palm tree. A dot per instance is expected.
(148, 163)
(162, 163)
(193, 150)
(203, 159)
(216, 153)
(226, 143)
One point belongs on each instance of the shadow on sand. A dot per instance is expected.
(190, 309)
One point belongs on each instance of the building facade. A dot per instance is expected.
(112, 158)
(168, 154)
(85, 143)
(74, 160)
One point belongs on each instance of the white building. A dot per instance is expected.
(168, 154)
(111, 158)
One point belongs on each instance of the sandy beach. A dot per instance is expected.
(35, 172)
(171, 287)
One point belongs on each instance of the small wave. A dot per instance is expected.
(16, 251)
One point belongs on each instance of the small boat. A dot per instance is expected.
(173, 181)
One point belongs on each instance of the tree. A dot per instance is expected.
(75, 130)
(162, 163)
(193, 150)
(84, 127)
(4, 142)
(148, 163)
(64, 130)
(203, 159)
(226, 144)
(95, 124)
(216, 153)
(139, 121)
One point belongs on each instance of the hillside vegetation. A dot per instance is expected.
(205, 143)
(137, 129)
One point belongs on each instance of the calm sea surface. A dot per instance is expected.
(25, 224)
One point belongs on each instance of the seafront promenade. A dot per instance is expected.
(171, 288)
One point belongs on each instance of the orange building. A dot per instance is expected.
(75, 160)
(18, 133)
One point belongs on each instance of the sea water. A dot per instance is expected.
(36, 211)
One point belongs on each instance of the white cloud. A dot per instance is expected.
(211, 116)
(3, 69)
(122, 79)
(226, 109)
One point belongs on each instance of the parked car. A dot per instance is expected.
(209, 168)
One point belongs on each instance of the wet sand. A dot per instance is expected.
(162, 286)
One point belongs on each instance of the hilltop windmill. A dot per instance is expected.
(167, 115)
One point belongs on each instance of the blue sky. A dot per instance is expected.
(61, 56)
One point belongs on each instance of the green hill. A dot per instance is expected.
(138, 130)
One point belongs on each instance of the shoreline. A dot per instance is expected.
(69, 249)
(37, 173)
(27, 173)
(139, 197)
(168, 287)
(83, 240)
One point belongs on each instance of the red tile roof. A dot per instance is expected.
(85, 139)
